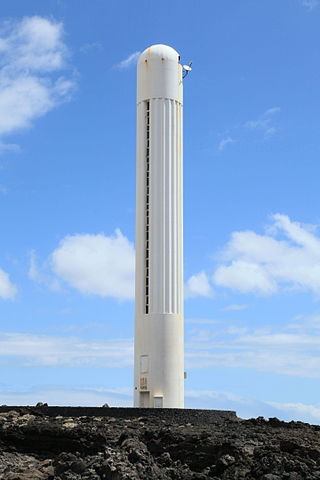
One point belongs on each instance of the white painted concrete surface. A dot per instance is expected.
(159, 344)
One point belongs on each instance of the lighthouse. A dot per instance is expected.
(159, 324)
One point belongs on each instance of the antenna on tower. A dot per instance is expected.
(186, 69)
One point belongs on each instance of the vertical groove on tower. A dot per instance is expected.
(173, 202)
(165, 227)
(165, 213)
(169, 208)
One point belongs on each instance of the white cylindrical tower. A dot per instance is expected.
(159, 345)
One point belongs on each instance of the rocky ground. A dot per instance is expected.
(34, 446)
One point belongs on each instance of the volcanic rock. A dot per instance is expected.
(130, 444)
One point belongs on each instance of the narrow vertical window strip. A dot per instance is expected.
(180, 208)
(147, 207)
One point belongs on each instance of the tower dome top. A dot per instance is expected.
(159, 74)
(159, 52)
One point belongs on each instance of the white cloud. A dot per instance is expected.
(55, 351)
(236, 307)
(224, 142)
(264, 122)
(299, 411)
(8, 147)
(198, 286)
(277, 350)
(73, 396)
(271, 111)
(35, 43)
(244, 277)
(247, 407)
(202, 321)
(310, 4)
(7, 289)
(130, 60)
(97, 264)
(300, 322)
(265, 264)
(34, 273)
(39, 275)
(32, 51)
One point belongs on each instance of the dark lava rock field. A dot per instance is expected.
(43, 444)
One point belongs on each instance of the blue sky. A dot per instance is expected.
(251, 174)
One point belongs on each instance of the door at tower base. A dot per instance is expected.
(144, 399)
(159, 348)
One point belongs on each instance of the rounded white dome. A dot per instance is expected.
(159, 53)
(159, 74)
